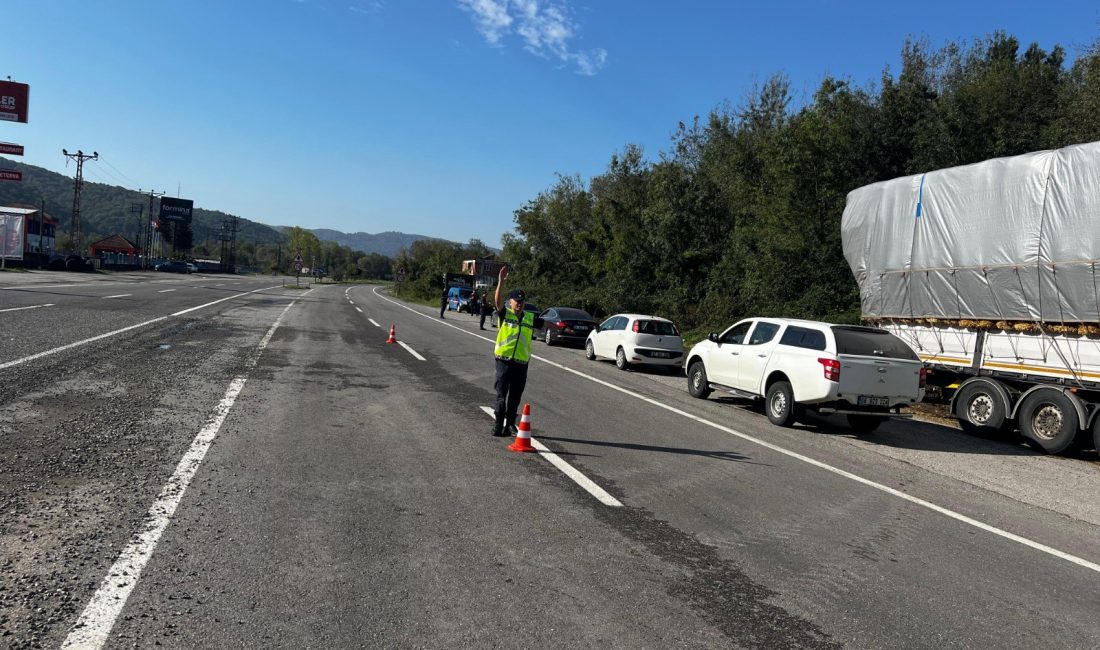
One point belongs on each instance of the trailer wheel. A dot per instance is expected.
(981, 409)
(1048, 420)
(1096, 434)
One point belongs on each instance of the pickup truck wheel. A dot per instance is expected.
(697, 381)
(864, 423)
(589, 350)
(779, 404)
(981, 410)
(620, 360)
(1049, 421)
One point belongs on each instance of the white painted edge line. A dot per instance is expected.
(16, 362)
(359, 310)
(99, 615)
(374, 322)
(411, 351)
(572, 472)
(1043, 548)
(121, 295)
(49, 304)
(351, 301)
(165, 290)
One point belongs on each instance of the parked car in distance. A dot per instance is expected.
(863, 373)
(191, 268)
(566, 325)
(172, 266)
(636, 339)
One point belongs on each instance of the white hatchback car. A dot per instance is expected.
(632, 339)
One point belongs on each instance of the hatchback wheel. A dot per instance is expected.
(620, 360)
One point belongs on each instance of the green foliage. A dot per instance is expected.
(742, 216)
(426, 261)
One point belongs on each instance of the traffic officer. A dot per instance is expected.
(515, 329)
(443, 300)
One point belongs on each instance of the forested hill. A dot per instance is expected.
(384, 243)
(106, 209)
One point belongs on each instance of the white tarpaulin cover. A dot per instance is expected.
(1006, 239)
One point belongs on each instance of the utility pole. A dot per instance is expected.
(41, 228)
(153, 194)
(229, 244)
(76, 243)
(139, 210)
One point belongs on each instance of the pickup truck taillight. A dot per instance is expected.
(923, 377)
(832, 368)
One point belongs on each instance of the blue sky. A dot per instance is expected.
(430, 117)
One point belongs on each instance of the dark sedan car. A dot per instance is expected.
(566, 325)
(173, 266)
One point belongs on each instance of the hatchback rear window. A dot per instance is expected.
(870, 342)
(657, 328)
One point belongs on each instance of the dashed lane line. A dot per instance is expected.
(100, 337)
(957, 516)
(411, 351)
(165, 290)
(49, 304)
(579, 478)
(374, 322)
(359, 310)
(99, 616)
(121, 295)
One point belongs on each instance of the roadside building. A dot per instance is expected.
(29, 234)
(115, 252)
(485, 271)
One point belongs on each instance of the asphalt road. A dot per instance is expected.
(339, 491)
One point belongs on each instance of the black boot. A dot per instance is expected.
(498, 427)
(511, 427)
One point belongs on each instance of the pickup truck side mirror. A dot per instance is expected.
(713, 337)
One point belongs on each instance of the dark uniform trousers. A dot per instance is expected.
(510, 382)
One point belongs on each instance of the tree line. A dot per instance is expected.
(741, 215)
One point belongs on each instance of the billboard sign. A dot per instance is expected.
(10, 175)
(176, 209)
(11, 149)
(11, 236)
(13, 101)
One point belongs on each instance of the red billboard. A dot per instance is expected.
(11, 149)
(10, 175)
(13, 101)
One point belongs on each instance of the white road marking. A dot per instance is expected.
(373, 322)
(9, 364)
(99, 616)
(165, 290)
(572, 472)
(49, 304)
(121, 295)
(411, 351)
(359, 310)
(351, 301)
(970, 521)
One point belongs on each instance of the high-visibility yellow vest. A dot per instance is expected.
(514, 337)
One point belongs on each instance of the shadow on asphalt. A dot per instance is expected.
(718, 455)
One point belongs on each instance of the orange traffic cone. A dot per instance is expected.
(523, 435)
(393, 334)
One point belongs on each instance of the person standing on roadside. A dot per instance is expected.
(443, 301)
(473, 305)
(486, 310)
(512, 353)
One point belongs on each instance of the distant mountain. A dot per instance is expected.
(385, 243)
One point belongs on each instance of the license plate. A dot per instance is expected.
(660, 355)
(581, 328)
(865, 400)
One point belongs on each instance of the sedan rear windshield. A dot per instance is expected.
(657, 328)
(573, 314)
(870, 342)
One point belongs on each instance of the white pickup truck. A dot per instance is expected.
(794, 365)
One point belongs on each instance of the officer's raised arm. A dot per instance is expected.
(500, 287)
